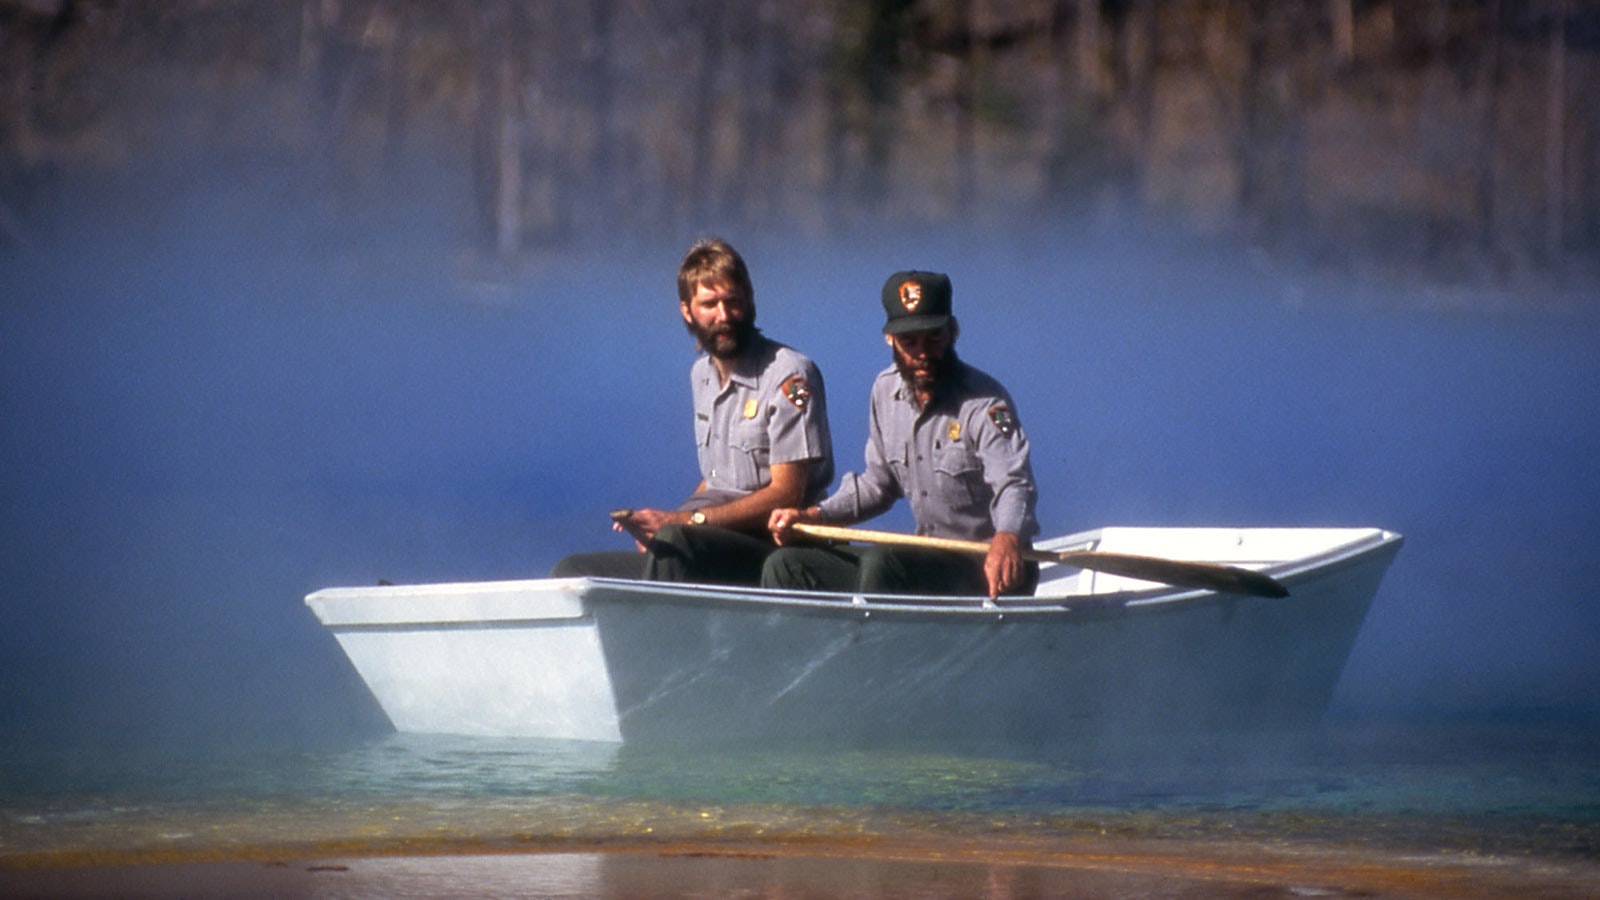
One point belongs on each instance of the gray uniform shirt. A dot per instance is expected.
(772, 410)
(962, 462)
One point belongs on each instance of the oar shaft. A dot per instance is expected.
(1182, 573)
(955, 545)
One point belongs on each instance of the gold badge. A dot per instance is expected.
(751, 407)
(910, 295)
(954, 431)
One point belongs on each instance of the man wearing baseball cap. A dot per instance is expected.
(946, 437)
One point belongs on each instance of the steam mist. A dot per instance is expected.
(217, 399)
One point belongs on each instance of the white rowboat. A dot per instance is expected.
(612, 660)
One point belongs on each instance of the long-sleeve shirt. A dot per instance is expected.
(962, 462)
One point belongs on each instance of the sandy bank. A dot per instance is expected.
(1153, 869)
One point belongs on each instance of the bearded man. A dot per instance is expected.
(761, 435)
(943, 435)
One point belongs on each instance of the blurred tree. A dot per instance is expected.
(1429, 130)
(865, 96)
(1555, 138)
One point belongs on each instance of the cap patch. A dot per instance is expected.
(796, 391)
(1002, 418)
(910, 295)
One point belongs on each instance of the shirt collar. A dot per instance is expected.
(747, 367)
(945, 390)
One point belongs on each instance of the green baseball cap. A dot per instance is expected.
(916, 301)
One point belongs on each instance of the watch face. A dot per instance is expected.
(698, 517)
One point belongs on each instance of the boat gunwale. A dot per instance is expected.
(1289, 572)
(597, 590)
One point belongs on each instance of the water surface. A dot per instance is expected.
(1489, 787)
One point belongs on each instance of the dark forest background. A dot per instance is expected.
(1459, 140)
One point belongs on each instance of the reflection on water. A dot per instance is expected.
(1497, 788)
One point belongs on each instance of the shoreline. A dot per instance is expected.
(930, 867)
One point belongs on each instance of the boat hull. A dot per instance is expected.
(604, 660)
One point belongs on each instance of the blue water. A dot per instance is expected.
(204, 420)
(1504, 789)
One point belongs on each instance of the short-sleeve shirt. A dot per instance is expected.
(772, 410)
(962, 462)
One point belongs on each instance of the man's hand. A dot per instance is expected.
(1003, 564)
(642, 524)
(782, 519)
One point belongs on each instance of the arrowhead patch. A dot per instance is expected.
(1002, 418)
(796, 391)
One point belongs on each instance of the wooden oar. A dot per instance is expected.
(1209, 576)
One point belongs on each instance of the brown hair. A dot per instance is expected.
(713, 260)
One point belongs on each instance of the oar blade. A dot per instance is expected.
(1206, 576)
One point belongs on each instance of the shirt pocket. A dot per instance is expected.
(702, 447)
(898, 459)
(750, 453)
(958, 478)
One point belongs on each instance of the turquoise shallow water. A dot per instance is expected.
(1518, 788)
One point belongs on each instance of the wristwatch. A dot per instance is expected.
(698, 517)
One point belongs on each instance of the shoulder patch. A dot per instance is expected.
(1001, 416)
(796, 391)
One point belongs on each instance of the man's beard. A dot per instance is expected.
(938, 369)
(723, 341)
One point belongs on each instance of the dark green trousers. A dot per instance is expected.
(883, 570)
(702, 554)
(603, 564)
